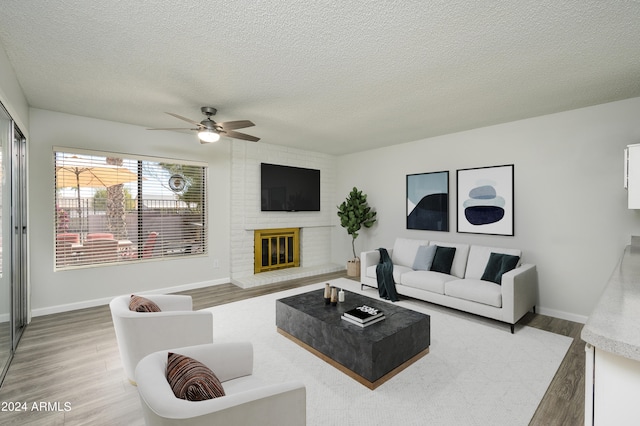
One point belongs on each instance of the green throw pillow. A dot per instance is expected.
(443, 259)
(498, 264)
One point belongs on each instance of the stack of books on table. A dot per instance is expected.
(363, 316)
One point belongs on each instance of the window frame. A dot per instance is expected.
(199, 232)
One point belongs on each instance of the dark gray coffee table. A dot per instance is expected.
(370, 355)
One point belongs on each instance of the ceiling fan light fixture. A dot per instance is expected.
(209, 131)
(208, 135)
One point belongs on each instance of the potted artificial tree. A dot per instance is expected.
(354, 213)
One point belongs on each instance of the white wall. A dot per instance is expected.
(570, 209)
(63, 290)
(316, 227)
(571, 218)
(11, 94)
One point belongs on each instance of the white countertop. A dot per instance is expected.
(614, 324)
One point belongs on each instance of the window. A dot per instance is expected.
(110, 208)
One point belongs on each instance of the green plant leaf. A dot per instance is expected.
(354, 213)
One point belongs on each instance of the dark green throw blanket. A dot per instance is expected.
(384, 274)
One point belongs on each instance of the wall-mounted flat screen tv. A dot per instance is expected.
(289, 189)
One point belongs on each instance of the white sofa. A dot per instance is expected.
(462, 289)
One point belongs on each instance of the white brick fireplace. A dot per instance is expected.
(246, 217)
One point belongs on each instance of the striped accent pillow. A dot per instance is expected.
(192, 380)
(142, 304)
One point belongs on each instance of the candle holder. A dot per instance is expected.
(327, 293)
(334, 296)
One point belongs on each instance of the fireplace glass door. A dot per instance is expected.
(276, 249)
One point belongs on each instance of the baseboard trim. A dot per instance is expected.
(562, 315)
(105, 300)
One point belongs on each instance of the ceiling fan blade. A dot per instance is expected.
(232, 125)
(172, 128)
(188, 120)
(238, 135)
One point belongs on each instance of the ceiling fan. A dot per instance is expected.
(209, 131)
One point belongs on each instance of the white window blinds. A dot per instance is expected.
(111, 209)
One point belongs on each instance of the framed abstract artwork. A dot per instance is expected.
(428, 201)
(485, 200)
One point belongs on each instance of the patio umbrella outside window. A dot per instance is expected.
(102, 176)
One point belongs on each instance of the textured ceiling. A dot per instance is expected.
(327, 76)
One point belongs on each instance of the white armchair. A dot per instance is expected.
(248, 400)
(141, 333)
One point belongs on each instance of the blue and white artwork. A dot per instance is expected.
(428, 201)
(485, 200)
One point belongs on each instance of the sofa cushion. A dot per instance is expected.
(192, 380)
(443, 259)
(398, 270)
(424, 258)
(404, 251)
(142, 304)
(371, 271)
(426, 280)
(460, 259)
(479, 257)
(498, 264)
(479, 291)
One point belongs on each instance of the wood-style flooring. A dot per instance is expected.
(67, 368)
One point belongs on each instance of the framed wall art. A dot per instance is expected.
(485, 200)
(428, 201)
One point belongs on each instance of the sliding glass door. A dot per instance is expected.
(19, 237)
(6, 345)
(13, 239)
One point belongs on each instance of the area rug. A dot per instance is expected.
(476, 373)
